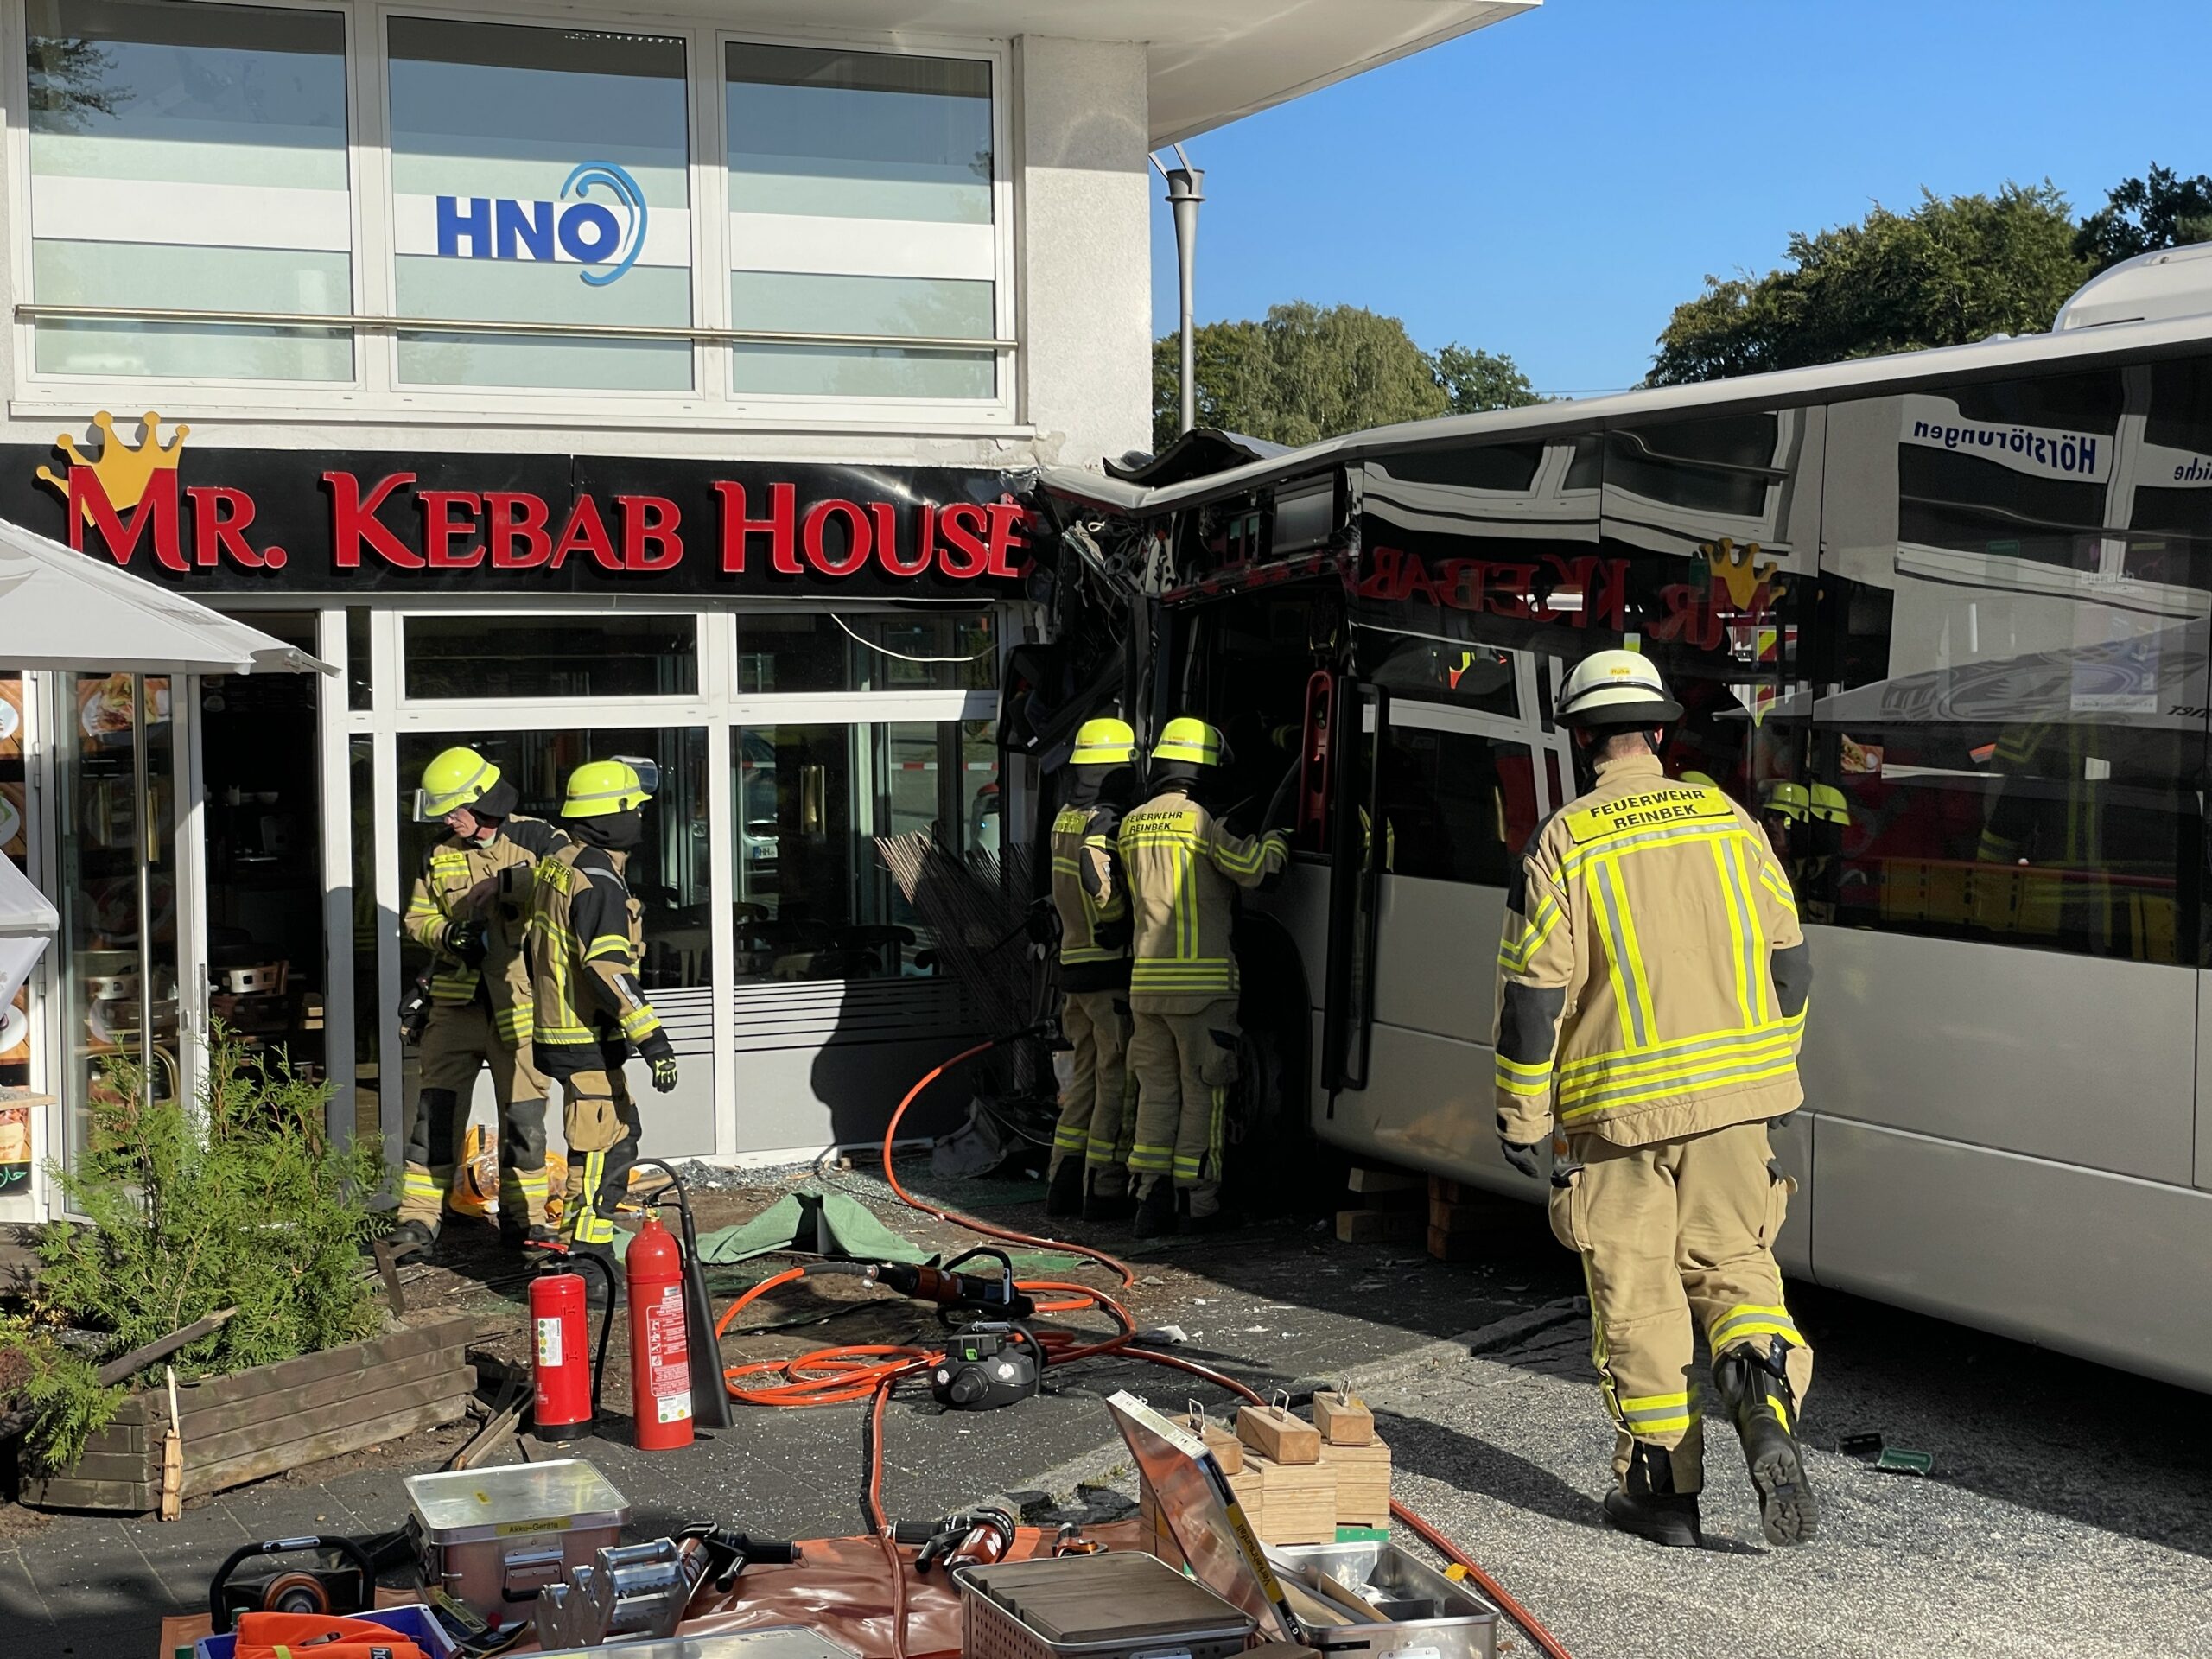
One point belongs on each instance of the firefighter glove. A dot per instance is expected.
(664, 1074)
(1522, 1156)
(465, 940)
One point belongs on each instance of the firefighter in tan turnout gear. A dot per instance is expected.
(1184, 868)
(587, 939)
(468, 909)
(1090, 1145)
(1652, 983)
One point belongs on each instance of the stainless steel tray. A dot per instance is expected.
(1429, 1614)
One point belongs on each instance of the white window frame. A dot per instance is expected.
(376, 393)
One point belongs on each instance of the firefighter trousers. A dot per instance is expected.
(458, 1042)
(1095, 1125)
(599, 1123)
(1184, 1063)
(1675, 1238)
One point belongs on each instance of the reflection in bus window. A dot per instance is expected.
(1456, 807)
(2015, 713)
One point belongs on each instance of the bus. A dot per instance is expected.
(1959, 596)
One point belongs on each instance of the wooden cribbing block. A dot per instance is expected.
(1458, 1247)
(1298, 1501)
(1343, 1418)
(1363, 1477)
(1384, 1180)
(1449, 1191)
(1378, 1226)
(1275, 1434)
(1251, 1496)
(1220, 1439)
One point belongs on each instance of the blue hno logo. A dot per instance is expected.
(604, 239)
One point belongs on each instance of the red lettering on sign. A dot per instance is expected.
(778, 527)
(1508, 586)
(157, 507)
(219, 516)
(857, 539)
(440, 528)
(353, 522)
(964, 525)
(649, 523)
(1007, 519)
(887, 538)
(515, 527)
(585, 532)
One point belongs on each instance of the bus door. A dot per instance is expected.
(1436, 800)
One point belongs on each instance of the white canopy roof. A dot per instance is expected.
(64, 610)
(28, 920)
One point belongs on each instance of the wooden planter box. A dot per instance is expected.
(255, 1423)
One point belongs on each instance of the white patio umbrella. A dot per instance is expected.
(27, 921)
(59, 609)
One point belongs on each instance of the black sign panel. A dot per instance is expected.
(207, 520)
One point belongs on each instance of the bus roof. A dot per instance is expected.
(2079, 348)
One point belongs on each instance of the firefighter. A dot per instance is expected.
(1184, 868)
(468, 909)
(1652, 983)
(1784, 807)
(1091, 1147)
(585, 943)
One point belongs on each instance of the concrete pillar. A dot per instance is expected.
(1083, 251)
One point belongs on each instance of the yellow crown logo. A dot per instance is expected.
(124, 470)
(1739, 570)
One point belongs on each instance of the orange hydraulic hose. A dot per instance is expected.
(838, 1375)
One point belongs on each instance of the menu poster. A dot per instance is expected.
(12, 834)
(15, 1150)
(11, 715)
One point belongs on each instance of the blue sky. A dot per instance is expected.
(1553, 186)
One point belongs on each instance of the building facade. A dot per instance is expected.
(572, 381)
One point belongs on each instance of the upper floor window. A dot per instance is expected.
(190, 157)
(540, 175)
(860, 204)
(532, 215)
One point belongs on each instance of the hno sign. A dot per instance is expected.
(606, 238)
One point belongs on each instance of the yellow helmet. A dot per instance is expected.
(1785, 799)
(1703, 780)
(457, 778)
(1191, 741)
(1105, 742)
(1829, 805)
(597, 788)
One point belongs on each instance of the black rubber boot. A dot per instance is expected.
(1105, 1206)
(1156, 1211)
(1647, 1504)
(1754, 1384)
(1220, 1221)
(1064, 1194)
(412, 1239)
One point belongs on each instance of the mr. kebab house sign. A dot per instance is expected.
(242, 520)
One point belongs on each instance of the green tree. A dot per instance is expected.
(1950, 271)
(1474, 380)
(1304, 373)
(2160, 210)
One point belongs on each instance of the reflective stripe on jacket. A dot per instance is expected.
(1652, 977)
(586, 937)
(451, 871)
(1183, 869)
(1089, 894)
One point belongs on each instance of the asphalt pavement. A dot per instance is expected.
(2065, 1513)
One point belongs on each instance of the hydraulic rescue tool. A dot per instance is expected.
(631, 1590)
(326, 1587)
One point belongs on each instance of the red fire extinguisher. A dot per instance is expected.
(567, 1407)
(660, 1356)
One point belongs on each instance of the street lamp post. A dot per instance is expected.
(1184, 195)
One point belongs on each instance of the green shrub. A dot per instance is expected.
(238, 1200)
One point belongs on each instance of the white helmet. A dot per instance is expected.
(1617, 688)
